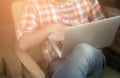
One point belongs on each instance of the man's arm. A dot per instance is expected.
(30, 32)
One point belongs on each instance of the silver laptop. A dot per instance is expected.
(99, 34)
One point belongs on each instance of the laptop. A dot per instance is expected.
(99, 34)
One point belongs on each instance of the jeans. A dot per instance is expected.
(84, 61)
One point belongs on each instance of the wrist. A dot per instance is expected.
(48, 29)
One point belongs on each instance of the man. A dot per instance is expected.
(41, 18)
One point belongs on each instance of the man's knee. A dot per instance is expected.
(87, 52)
(85, 49)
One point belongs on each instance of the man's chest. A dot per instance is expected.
(66, 15)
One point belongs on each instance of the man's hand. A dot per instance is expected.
(57, 30)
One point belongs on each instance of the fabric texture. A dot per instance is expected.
(38, 13)
(84, 61)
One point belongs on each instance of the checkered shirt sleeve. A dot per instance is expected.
(29, 20)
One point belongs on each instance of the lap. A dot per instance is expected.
(79, 51)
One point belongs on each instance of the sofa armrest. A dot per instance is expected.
(12, 64)
(29, 63)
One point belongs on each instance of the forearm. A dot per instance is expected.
(39, 35)
(34, 38)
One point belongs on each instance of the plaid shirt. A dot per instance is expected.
(40, 12)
